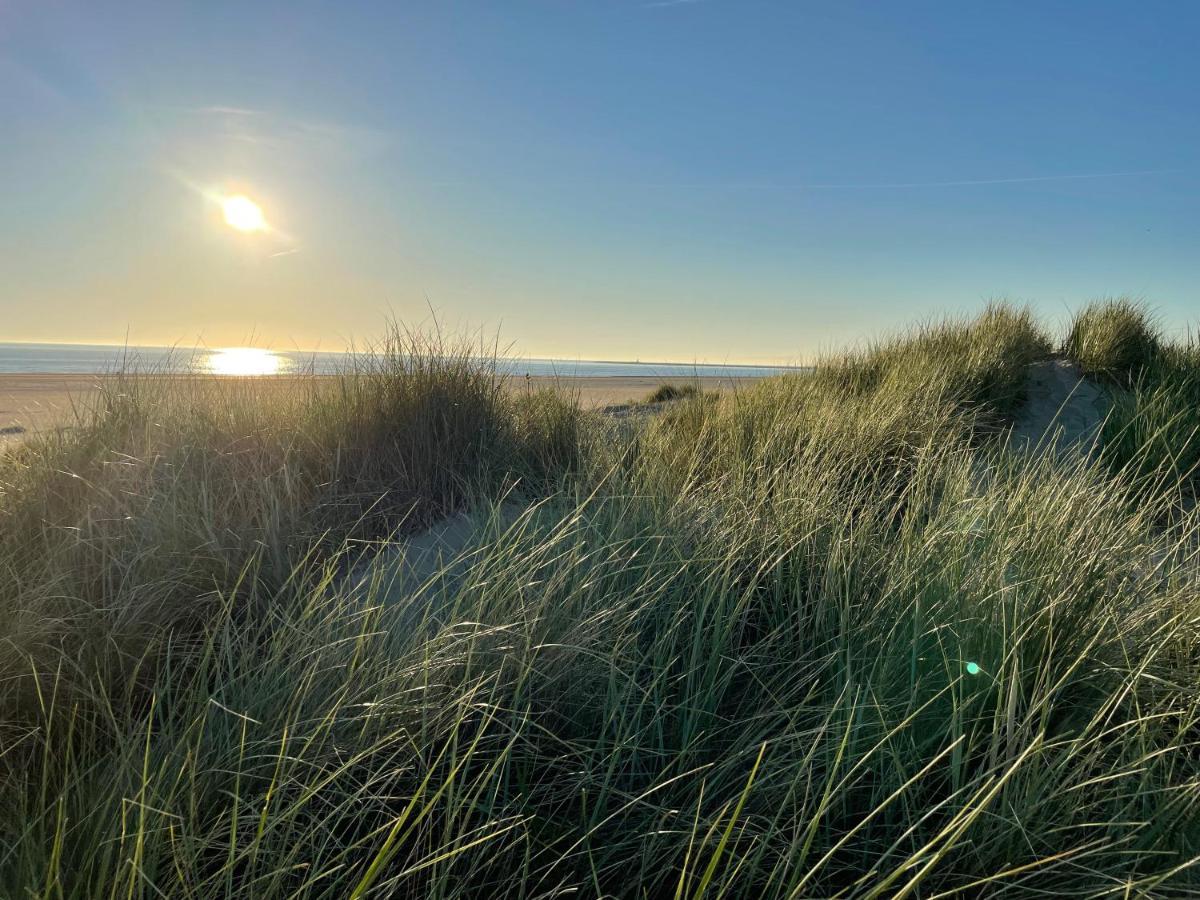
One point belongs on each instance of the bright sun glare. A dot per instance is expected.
(243, 213)
(244, 361)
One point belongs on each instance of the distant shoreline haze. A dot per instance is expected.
(92, 359)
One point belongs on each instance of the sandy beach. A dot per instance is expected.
(604, 391)
(32, 403)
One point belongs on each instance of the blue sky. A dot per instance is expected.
(705, 180)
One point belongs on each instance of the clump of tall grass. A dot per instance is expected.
(549, 436)
(876, 407)
(977, 366)
(667, 392)
(1113, 339)
(123, 530)
(1152, 434)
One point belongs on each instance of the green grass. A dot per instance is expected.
(822, 637)
(1153, 433)
(667, 392)
(126, 528)
(1113, 340)
(975, 366)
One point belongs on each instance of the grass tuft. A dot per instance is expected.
(668, 392)
(1113, 339)
(1152, 435)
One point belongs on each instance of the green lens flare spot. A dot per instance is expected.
(973, 668)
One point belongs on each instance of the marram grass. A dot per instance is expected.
(825, 638)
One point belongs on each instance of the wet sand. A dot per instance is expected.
(31, 403)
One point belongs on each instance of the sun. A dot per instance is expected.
(243, 213)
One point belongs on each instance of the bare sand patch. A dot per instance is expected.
(1064, 409)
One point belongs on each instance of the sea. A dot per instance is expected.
(88, 359)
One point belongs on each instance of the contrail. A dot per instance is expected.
(847, 185)
(889, 185)
(977, 181)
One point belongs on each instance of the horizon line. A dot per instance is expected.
(349, 352)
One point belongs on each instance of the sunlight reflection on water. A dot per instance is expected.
(245, 361)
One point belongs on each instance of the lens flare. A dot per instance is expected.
(973, 668)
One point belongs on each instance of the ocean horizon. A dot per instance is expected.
(93, 359)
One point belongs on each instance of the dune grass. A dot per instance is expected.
(171, 489)
(1152, 435)
(670, 391)
(1113, 339)
(824, 637)
(976, 366)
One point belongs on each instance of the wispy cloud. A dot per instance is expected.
(274, 132)
(227, 111)
(658, 4)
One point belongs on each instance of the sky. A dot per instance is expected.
(682, 180)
